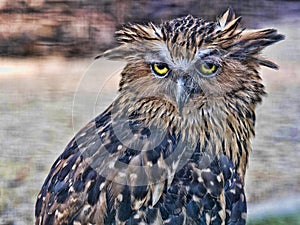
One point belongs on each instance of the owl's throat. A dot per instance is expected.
(220, 129)
(212, 124)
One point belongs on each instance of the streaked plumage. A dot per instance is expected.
(173, 147)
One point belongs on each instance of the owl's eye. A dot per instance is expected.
(160, 69)
(207, 69)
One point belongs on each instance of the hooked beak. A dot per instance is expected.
(184, 87)
(182, 94)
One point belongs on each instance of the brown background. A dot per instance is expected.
(50, 86)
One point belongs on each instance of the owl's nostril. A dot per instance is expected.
(189, 84)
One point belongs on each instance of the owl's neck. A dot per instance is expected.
(222, 126)
(218, 126)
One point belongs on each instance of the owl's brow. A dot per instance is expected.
(203, 53)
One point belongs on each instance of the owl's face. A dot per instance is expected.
(188, 61)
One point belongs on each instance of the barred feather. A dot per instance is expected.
(148, 159)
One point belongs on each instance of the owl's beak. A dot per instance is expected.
(183, 91)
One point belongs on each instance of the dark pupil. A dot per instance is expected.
(161, 66)
(209, 65)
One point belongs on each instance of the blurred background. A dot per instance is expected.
(50, 86)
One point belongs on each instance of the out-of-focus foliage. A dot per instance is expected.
(85, 27)
(293, 219)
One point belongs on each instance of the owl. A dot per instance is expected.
(173, 147)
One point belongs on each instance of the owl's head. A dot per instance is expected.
(188, 61)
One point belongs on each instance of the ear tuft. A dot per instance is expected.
(266, 63)
(134, 41)
(251, 42)
(138, 33)
(228, 26)
(227, 17)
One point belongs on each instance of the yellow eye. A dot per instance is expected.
(160, 69)
(207, 69)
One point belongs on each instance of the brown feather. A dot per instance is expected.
(148, 159)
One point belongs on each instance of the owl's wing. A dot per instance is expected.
(116, 169)
(113, 166)
(70, 188)
(207, 190)
(235, 199)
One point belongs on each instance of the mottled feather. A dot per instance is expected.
(155, 158)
